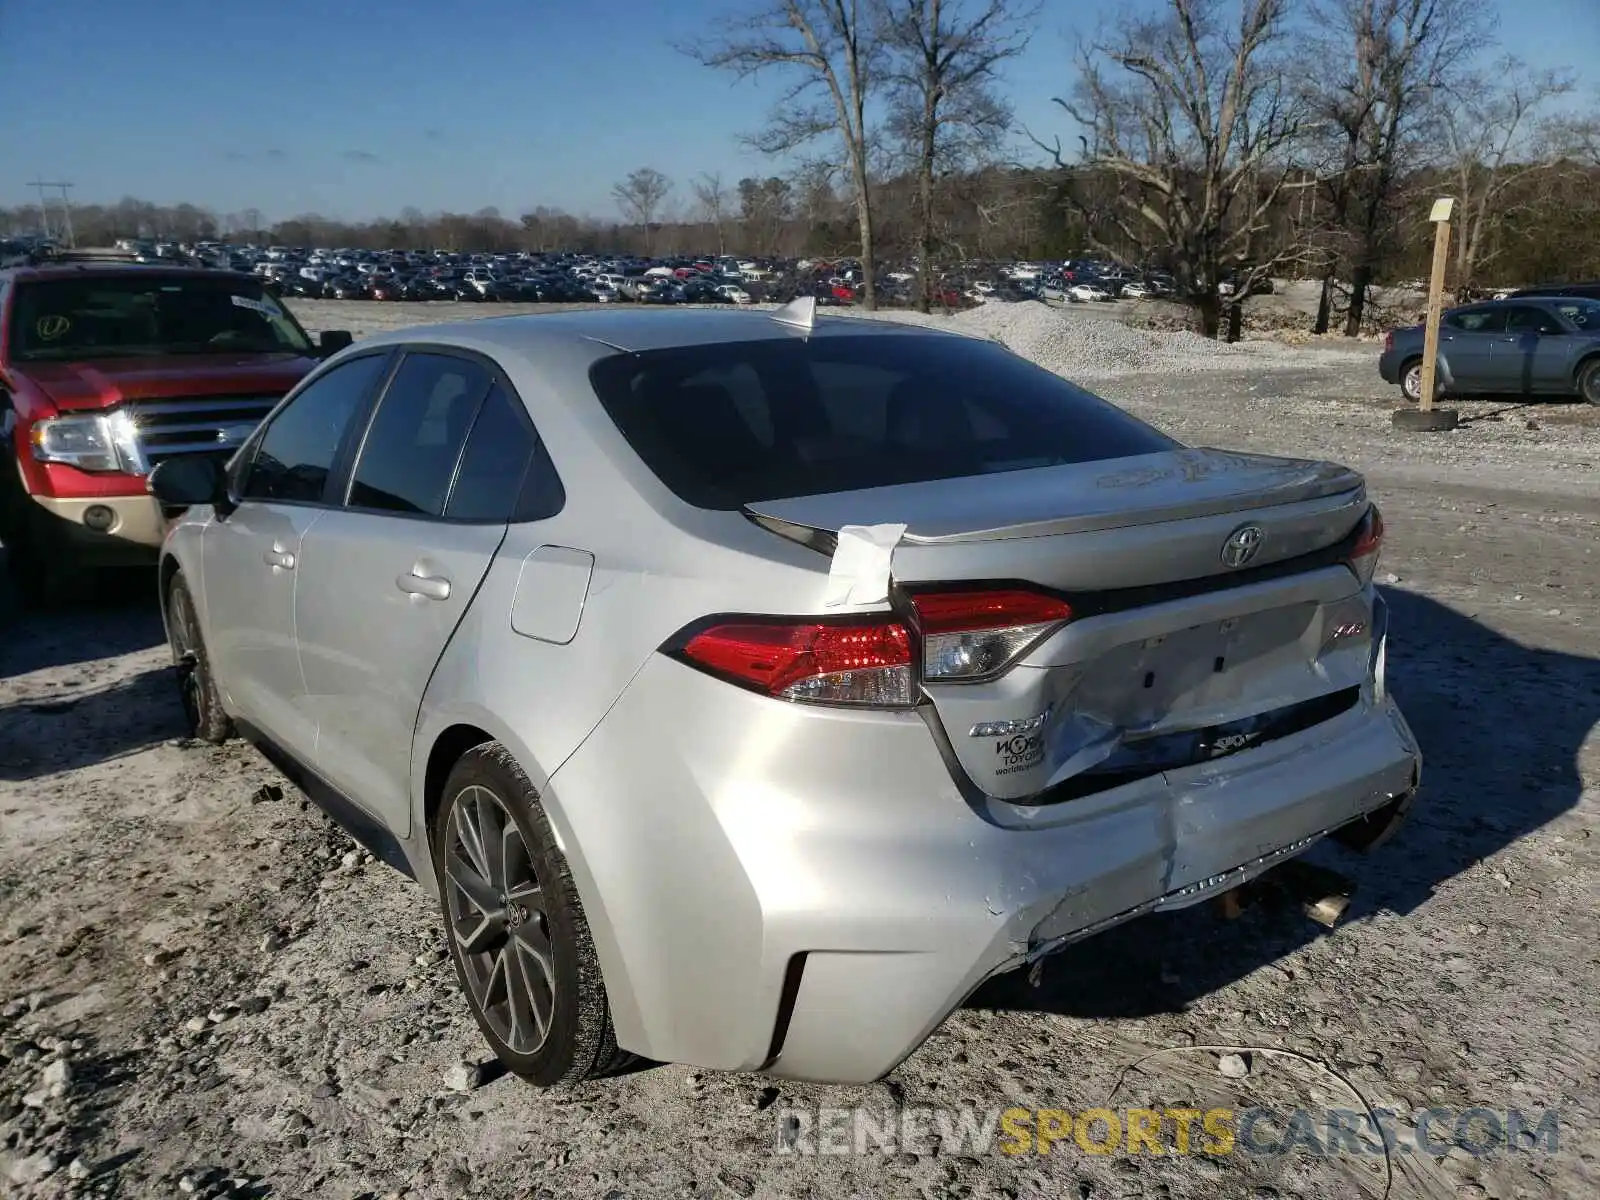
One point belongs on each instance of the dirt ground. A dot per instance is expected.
(247, 1006)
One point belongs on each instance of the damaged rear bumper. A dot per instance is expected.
(814, 896)
(1162, 844)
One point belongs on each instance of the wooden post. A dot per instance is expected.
(1425, 418)
(1440, 216)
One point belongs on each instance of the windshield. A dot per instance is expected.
(102, 316)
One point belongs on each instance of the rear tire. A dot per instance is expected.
(1411, 381)
(201, 698)
(1589, 381)
(516, 929)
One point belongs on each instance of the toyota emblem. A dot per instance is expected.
(1243, 544)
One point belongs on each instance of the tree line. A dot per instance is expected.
(1221, 141)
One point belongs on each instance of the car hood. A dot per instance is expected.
(104, 383)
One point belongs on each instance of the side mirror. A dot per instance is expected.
(331, 341)
(187, 480)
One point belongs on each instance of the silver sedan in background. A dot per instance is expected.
(750, 687)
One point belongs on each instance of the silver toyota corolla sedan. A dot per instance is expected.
(750, 687)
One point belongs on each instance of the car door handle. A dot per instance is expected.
(431, 587)
(279, 558)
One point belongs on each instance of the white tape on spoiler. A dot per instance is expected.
(859, 573)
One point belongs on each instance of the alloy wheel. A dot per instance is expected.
(498, 918)
(1412, 386)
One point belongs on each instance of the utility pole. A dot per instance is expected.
(1425, 418)
(66, 209)
(44, 211)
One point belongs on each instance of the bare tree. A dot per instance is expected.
(640, 196)
(712, 199)
(764, 205)
(1003, 210)
(1190, 125)
(1491, 126)
(830, 51)
(944, 57)
(1576, 136)
(1376, 66)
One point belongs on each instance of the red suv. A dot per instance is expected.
(107, 370)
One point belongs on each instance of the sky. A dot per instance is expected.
(359, 108)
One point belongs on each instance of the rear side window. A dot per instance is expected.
(295, 454)
(737, 423)
(409, 456)
(504, 474)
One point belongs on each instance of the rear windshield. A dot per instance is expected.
(738, 423)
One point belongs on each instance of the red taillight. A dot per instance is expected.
(973, 635)
(1363, 557)
(957, 612)
(1388, 341)
(965, 636)
(859, 663)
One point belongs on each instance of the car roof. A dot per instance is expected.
(631, 331)
(1570, 291)
(1531, 298)
(75, 270)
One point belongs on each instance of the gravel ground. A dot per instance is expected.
(206, 988)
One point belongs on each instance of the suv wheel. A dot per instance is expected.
(202, 701)
(44, 568)
(517, 933)
(44, 571)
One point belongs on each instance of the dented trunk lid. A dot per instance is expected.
(1175, 653)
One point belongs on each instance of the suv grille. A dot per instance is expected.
(162, 429)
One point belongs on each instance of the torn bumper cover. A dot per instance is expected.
(1164, 844)
(813, 897)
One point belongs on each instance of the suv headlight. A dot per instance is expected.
(94, 443)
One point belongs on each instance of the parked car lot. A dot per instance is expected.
(340, 1058)
(568, 277)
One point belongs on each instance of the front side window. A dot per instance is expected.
(408, 458)
(1526, 319)
(143, 315)
(737, 423)
(296, 452)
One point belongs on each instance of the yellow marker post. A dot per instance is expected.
(1426, 418)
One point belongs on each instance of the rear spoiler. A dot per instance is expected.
(823, 541)
(84, 256)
